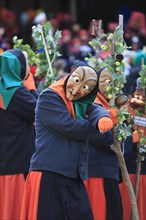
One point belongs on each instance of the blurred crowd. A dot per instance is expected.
(74, 43)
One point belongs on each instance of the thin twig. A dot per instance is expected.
(46, 52)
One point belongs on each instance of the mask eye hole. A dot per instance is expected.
(107, 81)
(76, 80)
(86, 88)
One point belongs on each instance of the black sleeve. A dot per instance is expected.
(35, 93)
(103, 143)
(23, 104)
(95, 112)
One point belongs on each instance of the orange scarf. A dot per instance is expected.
(58, 87)
(101, 101)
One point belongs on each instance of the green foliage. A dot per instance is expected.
(142, 74)
(47, 50)
(18, 43)
(96, 44)
(48, 46)
(115, 64)
(121, 130)
(142, 147)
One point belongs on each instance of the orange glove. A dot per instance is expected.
(105, 124)
(113, 114)
(29, 83)
(135, 137)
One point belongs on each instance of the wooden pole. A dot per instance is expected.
(117, 144)
(121, 27)
(99, 28)
(117, 149)
(46, 52)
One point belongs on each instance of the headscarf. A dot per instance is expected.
(12, 73)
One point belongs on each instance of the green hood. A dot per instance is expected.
(10, 75)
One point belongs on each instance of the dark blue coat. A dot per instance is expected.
(17, 140)
(62, 141)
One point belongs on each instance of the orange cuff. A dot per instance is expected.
(29, 83)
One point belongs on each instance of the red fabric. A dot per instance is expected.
(31, 196)
(11, 193)
(33, 69)
(95, 189)
(104, 54)
(112, 26)
(139, 17)
(141, 200)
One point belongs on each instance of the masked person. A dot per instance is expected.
(17, 140)
(65, 121)
(136, 158)
(104, 175)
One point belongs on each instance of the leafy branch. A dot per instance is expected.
(141, 146)
(97, 39)
(46, 52)
(116, 66)
(18, 43)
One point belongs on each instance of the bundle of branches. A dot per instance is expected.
(47, 50)
(116, 65)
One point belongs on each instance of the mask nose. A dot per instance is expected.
(75, 90)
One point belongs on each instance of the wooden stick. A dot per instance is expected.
(121, 27)
(46, 52)
(119, 154)
(93, 31)
(99, 28)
